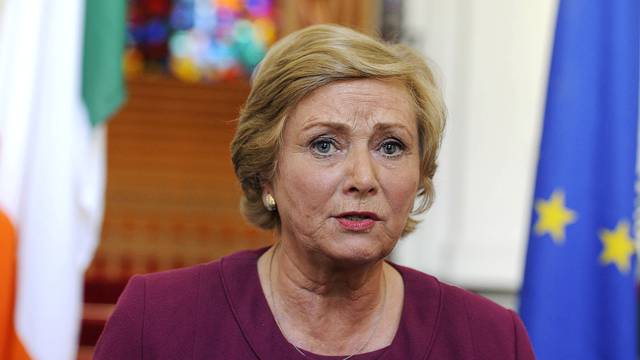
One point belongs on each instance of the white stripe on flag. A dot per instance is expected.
(51, 169)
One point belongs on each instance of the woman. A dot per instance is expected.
(338, 138)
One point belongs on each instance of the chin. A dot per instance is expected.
(357, 250)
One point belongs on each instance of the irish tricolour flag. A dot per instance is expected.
(60, 79)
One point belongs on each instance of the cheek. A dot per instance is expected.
(402, 187)
(307, 188)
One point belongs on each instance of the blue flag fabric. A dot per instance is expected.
(578, 296)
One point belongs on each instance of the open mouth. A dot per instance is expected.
(360, 221)
(356, 217)
(359, 216)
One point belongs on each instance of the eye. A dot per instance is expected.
(391, 148)
(323, 146)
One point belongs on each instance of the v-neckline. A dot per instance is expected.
(248, 303)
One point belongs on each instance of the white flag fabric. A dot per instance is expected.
(52, 165)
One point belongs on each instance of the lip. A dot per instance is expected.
(363, 225)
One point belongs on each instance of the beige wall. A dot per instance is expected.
(492, 58)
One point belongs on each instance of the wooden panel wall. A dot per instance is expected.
(362, 15)
(172, 198)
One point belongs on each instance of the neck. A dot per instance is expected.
(302, 274)
(322, 307)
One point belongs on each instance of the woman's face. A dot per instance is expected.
(348, 170)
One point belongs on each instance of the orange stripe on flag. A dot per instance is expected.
(10, 346)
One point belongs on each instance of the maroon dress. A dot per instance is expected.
(218, 311)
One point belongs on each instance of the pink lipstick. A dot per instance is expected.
(357, 221)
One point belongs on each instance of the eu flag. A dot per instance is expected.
(578, 299)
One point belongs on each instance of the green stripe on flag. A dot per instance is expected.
(102, 72)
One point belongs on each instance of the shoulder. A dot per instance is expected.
(174, 283)
(184, 283)
(455, 299)
(478, 310)
(494, 332)
(489, 330)
(169, 303)
(151, 306)
(161, 292)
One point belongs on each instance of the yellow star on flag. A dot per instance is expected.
(618, 247)
(553, 217)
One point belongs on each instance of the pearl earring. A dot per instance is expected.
(269, 202)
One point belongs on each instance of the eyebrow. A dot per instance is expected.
(313, 122)
(340, 127)
(393, 126)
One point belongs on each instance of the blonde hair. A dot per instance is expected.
(304, 61)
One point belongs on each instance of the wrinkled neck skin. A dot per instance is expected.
(308, 276)
(330, 307)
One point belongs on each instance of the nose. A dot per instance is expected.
(361, 173)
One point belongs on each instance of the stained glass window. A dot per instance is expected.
(199, 40)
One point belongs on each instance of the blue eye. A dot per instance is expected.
(323, 146)
(391, 148)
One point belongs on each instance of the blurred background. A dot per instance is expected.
(171, 196)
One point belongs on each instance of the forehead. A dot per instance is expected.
(364, 101)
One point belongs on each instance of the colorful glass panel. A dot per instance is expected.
(199, 40)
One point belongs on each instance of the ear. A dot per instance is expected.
(267, 188)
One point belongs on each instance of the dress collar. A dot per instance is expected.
(416, 332)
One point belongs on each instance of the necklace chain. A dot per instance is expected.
(373, 329)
